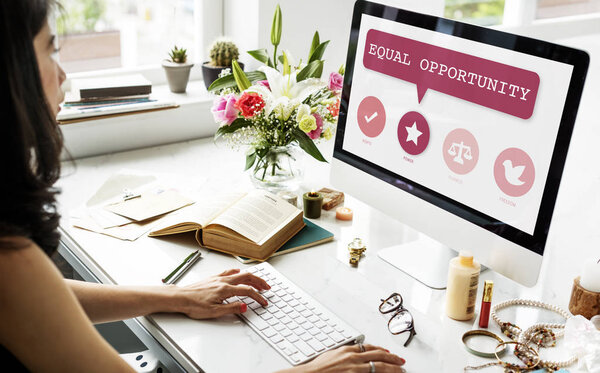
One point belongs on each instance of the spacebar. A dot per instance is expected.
(256, 320)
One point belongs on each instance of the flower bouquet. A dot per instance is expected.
(278, 111)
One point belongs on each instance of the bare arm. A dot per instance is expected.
(201, 300)
(43, 325)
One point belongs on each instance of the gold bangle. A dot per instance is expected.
(485, 333)
(528, 364)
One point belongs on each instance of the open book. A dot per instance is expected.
(252, 225)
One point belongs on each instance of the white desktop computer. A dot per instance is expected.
(458, 131)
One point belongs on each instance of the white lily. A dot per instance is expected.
(285, 93)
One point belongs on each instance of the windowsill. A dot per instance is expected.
(191, 120)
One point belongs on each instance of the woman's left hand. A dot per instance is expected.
(204, 299)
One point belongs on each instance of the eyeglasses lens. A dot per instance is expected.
(391, 303)
(400, 322)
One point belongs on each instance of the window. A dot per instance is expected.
(480, 12)
(106, 34)
(560, 8)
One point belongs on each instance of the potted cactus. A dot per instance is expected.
(177, 69)
(222, 53)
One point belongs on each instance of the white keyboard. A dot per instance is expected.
(293, 322)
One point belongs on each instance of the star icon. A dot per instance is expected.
(413, 133)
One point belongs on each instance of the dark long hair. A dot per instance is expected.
(30, 140)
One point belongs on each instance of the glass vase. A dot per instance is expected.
(280, 169)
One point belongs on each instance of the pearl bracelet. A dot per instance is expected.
(541, 334)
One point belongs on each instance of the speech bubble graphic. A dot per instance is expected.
(495, 85)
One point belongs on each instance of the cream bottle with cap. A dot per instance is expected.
(463, 279)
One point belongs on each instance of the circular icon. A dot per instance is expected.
(514, 172)
(461, 151)
(371, 116)
(413, 133)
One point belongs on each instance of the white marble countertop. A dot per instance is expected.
(351, 293)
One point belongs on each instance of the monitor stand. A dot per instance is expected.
(424, 259)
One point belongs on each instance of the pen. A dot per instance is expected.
(182, 268)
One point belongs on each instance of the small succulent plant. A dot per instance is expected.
(178, 55)
(223, 52)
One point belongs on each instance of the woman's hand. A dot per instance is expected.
(350, 359)
(204, 299)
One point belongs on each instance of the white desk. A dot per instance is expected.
(228, 345)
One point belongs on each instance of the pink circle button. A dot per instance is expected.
(461, 151)
(371, 116)
(514, 172)
(413, 133)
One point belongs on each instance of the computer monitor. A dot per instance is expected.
(458, 131)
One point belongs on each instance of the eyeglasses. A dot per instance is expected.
(401, 321)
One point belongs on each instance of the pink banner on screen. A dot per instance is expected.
(495, 85)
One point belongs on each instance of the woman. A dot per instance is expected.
(46, 322)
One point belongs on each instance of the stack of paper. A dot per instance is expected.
(127, 206)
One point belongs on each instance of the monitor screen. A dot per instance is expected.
(473, 120)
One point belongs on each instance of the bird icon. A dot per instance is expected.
(513, 173)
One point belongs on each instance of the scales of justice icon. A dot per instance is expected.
(460, 152)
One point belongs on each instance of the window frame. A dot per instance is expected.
(208, 25)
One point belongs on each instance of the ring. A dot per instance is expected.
(361, 347)
(372, 364)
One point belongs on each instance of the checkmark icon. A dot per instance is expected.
(373, 116)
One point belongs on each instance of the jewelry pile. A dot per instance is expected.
(528, 343)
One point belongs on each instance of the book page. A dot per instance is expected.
(204, 211)
(257, 216)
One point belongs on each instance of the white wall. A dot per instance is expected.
(332, 18)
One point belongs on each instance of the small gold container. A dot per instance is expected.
(356, 249)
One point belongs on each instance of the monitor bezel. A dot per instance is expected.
(577, 58)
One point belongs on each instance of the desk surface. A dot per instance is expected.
(352, 293)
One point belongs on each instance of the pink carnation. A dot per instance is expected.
(316, 133)
(224, 110)
(336, 81)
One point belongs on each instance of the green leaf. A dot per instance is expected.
(234, 126)
(241, 79)
(260, 54)
(250, 159)
(315, 43)
(307, 144)
(286, 65)
(229, 81)
(276, 27)
(342, 70)
(312, 70)
(318, 52)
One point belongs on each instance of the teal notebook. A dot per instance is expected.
(310, 235)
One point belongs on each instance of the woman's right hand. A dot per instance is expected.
(351, 359)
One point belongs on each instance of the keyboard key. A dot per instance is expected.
(314, 331)
(306, 337)
(278, 327)
(301, 320)
(328, 342)
(266, 316)
(293, 303)
(255, 320)
(313, 319)
(306, 313)
(293, 325)
(286, 298)
(297, 357)
(269, 332)
(304, 348)
(292, 338)
(285, 320)
(285, 332)
(287, 309)
(320, 324)
(273, 321)
(259, 311)
(300, 308)
(336, 337)
(287, 347)
(294, 314)
(278, 314)
(254, 305)
(321, 337)
(327, 329)
(276, 338)
(252, 269)
(316, 345)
